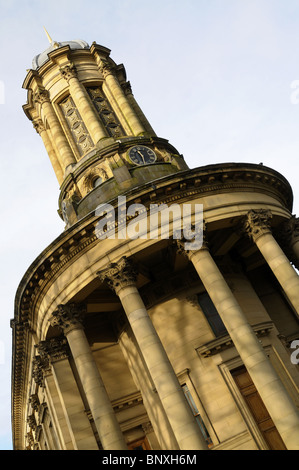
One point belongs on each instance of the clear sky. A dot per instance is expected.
(217, 78)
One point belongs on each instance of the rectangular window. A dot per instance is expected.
(211, 314)
(198, 418)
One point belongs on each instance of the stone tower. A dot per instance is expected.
(137, 342)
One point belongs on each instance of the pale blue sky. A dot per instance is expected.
(213, 76)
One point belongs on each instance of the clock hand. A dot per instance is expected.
(141, 156)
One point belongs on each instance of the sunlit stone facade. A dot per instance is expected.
(139, 343)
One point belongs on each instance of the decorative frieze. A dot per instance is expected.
(105, 112)
(76, 126)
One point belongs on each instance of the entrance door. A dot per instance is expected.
(258, 409)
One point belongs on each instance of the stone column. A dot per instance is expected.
(66, 155)
(121, 277)
(117, 92)
(43, 377)
(83, 104)
(257, 227)
(56, 351)
(127, 89)
(151, 399)
(69, 318)
(42, 131)
(290, 239)
(278, 403)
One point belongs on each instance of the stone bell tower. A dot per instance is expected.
(97, 138)
(140, 342)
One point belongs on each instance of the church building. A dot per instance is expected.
(165, 316)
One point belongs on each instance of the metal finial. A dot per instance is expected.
(48, 36)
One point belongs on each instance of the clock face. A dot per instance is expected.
(141, 155)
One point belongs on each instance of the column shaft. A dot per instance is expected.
(57, 414)
(66, 155)
(278, 403)
(69, 319)
(170, 392)
(85, 108)
(281, 267)
(257, 225)
(121, 99)
(100, 406)
(79, 425)
(151, 399)
(52, 155)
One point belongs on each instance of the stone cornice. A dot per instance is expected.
(222, 343)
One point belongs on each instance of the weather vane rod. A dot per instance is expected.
(48, 36)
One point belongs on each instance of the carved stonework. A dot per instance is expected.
(31, 422)
(127, 88)
(147, 427)
(39, 126)
(105, 68)
(184, 244)
(105, 112)
(119, 275)
(68, 72)
(68, 317)
(257, 223)
(53, 349)
(76, 126)
(290, 230)
(34, 401)
(40, 365)
(30, 439)
(91, 177)
(41, 96)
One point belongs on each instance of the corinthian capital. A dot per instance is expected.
(195, 238)
(39, 367)
(68, 317)
(290, 230)
(105, 68)
(119, 275)
(39, 126)
(68, 72)
(41, 95)
(53, 349)
(257, 223)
